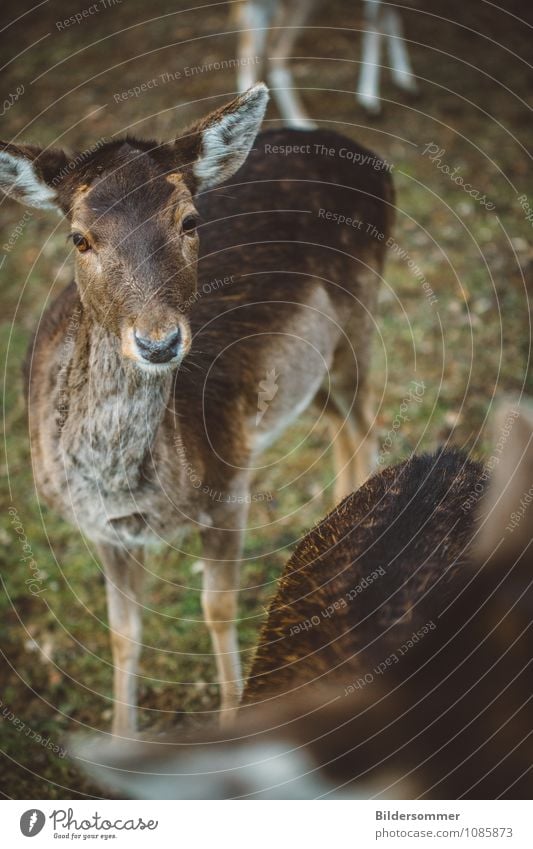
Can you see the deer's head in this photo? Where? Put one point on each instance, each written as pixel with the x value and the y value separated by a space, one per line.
pixel 130 205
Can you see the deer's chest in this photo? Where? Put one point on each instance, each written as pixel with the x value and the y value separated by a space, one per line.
pixel 112 473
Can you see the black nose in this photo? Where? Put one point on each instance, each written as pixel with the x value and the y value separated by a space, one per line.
pixel 159 350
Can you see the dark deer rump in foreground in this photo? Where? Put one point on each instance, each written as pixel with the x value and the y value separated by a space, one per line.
pixel 419 686
pixel 384 564
pixel 427 670
pixel 177 265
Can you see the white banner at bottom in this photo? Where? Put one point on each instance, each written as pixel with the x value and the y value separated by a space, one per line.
pixel 264 824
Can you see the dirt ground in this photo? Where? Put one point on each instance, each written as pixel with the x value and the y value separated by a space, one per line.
pixel 454 315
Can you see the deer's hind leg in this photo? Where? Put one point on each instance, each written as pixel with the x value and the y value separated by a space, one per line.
pixel 349 411
pixel 353 446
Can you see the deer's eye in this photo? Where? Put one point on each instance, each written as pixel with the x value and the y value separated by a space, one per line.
pixel 81 242
pixel 189 225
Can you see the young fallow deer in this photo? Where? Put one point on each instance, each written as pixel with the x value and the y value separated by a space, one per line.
pixel 128 445
pixel 269 32
pixel 396 658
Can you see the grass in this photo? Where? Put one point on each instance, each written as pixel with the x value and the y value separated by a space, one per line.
pixel 471 345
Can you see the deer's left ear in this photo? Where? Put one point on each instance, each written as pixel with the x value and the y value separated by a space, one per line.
pixel 217 145
pixel 32 175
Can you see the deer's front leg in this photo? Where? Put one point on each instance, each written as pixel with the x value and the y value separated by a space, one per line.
pixel 124 573
pixel 254 17
pixel 369 76
pixel 222 551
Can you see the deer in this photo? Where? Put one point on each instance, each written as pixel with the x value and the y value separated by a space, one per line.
pixel 268 33
pixel 395 661
pixel 143 376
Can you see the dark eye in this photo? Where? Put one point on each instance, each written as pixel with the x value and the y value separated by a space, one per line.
pixel 81 242
pixel 189 224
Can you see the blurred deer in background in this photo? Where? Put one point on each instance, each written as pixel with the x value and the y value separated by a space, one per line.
pixel 396 658
pixel 134 449
pixel 270 29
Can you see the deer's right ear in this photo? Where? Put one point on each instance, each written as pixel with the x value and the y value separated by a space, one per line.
pixel 32 175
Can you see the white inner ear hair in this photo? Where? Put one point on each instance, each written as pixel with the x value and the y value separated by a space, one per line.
pixel 226 143
pixel 19 179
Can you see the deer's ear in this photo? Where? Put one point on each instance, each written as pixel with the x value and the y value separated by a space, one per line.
pixel 507 508
pixel 32 175
pixel 218 144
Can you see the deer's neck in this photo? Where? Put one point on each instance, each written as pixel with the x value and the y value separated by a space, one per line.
pixel 114 409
